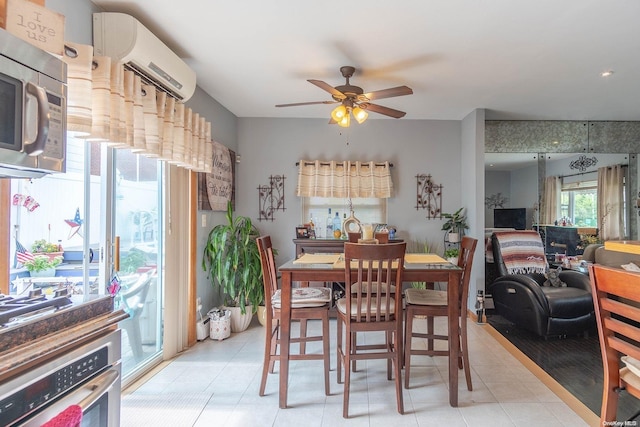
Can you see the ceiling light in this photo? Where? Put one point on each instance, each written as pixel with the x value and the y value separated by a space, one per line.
pixel 360 115
pixel 339 113
pixel 345 121
pixel 606 73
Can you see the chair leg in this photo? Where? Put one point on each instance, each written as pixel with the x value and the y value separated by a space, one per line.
pixel 303 334
pixel 390 343
pixel 408 335
pixel 430 332
pixel 326 352
pixel 397 362
pixel 347 376
pixel 275 336
pixel 267 354
pixel 465 352
pixel 354 344
pixel 339 350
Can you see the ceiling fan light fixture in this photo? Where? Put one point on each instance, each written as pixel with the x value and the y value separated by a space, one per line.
pixel 360 115
pixel 339 113
pixel 345 121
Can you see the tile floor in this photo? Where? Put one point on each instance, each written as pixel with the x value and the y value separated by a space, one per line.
pixel 216 383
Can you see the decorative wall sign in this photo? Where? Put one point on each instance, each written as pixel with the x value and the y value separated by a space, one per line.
pixel 495 201
pixel 271 198
pixel 583 162
pixel 429 196
pixel 215 189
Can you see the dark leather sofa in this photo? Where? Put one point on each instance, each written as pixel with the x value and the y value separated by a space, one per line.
pixel 543 310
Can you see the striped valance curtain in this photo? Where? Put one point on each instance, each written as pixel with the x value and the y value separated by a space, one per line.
pixel 344 179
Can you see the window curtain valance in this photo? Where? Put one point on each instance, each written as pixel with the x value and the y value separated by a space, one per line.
pixel 344 179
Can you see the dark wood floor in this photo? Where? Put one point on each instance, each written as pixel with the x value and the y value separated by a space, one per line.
pixel 575 362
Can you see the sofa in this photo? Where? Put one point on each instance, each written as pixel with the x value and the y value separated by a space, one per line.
pixel 544 310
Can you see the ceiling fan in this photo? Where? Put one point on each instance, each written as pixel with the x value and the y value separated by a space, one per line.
pixel 354 101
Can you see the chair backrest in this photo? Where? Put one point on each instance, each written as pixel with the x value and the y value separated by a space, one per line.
pixel 465 261
pixel 375 268
pixel 269 271
pixel 616 299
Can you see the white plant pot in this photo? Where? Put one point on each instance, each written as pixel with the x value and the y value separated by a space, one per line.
pixel 239 321
pixel 454 237
pixel 262 315
pixel 50 272
pixel 453 260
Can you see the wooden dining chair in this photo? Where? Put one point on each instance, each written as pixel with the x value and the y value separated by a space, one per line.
pixel 433 303
pixel 371 305
pixel 309 303
pixel 616 299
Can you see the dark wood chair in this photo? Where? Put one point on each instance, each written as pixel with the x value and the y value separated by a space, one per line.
pixel 310 303
pixel 432 303
pixel 616 297
pixel 372 272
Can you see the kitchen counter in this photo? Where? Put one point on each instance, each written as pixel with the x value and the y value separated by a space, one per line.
pixel 45 335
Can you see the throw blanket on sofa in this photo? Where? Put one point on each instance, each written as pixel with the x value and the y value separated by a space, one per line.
pixel 522 252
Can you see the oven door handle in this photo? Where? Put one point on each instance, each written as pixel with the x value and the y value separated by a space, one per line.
pixel 98 387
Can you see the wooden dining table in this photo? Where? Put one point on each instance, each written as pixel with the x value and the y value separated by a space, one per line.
pixel 427 268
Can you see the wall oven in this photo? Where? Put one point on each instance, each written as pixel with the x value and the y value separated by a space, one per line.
pixel 87 375
pixel 32 110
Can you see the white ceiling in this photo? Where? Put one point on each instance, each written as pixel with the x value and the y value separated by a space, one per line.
pixel 530 60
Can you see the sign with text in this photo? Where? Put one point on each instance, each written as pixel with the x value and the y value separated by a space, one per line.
pixel 219 185
pixel 38 25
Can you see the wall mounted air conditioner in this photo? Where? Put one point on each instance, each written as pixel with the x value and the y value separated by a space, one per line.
pixel 123 38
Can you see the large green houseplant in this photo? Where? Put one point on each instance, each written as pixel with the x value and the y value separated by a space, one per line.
pixel 232 261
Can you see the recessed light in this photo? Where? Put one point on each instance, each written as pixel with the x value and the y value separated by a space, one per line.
pixel 606 73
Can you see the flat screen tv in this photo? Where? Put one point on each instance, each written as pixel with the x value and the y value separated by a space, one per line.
pixel 510 218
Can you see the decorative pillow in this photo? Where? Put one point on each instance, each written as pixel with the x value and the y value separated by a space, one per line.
pixel 553 278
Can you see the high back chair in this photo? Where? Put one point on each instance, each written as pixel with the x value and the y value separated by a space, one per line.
pixel 432 303
pixel 372 273
pixel 306 304
pixel 616 297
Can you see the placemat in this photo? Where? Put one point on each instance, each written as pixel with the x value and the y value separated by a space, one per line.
pixel 317 259
pixel 424 259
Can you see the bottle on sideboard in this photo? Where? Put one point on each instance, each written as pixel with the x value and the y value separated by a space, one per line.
pixel 329 230
pixel 337 225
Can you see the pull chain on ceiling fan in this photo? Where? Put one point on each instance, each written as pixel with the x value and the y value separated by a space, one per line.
pixel 353 100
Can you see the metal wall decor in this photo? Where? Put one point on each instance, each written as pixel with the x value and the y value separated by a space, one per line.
pixel 495 201
pixel 583 162
pixel 429 196
pixel 271 198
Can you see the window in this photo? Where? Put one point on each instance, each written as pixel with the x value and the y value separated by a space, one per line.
pixel 579 203
pixel 367 210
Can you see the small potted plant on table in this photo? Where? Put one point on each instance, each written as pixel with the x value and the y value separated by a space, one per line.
pixel 455 225
pixel 42 265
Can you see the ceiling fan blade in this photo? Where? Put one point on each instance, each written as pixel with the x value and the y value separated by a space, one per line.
pixel 383 110
pixel 387 93
pixel 326 86
pixel 306 103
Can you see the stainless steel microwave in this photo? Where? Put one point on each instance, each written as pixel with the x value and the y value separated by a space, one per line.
pixel 33 110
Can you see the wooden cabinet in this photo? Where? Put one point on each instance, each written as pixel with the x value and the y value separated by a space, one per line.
pixel 324 246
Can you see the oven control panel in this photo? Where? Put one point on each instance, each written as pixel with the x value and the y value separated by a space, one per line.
pixel 47 388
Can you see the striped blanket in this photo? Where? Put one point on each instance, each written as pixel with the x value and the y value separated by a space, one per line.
pixel 522 252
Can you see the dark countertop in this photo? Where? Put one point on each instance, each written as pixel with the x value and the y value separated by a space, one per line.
pixel 47 334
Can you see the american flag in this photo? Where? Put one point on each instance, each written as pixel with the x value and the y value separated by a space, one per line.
pixel 22 254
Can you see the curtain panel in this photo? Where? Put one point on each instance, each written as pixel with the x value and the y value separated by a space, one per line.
pixel 550 211
pixel 611 202
pixel 344 179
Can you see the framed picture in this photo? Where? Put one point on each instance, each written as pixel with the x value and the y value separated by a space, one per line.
pixel 311 233
pixel 302 232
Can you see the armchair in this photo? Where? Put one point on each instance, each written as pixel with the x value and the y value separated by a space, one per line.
pixel 520 297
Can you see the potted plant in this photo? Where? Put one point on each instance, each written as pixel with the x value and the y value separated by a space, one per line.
pixel 48 249
pixel 232 262
pixel 456 224
pixel 42 265
pixel 451 255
